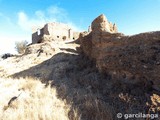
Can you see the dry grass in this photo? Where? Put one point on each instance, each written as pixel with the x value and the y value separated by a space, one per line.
pixel 35 101
pixel 78 92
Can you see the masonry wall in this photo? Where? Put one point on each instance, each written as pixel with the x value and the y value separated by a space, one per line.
pixel 58 31
pixel 130 60
pixel 37 36
pixel 53 31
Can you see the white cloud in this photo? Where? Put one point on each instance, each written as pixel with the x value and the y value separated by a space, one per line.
pixel 54 10
pixel 50 14
pixel 23 20
pixel 27 23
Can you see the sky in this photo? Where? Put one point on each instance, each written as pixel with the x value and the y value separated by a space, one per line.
pixel 17 17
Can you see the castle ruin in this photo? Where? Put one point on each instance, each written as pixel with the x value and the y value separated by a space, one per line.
pixel 53 31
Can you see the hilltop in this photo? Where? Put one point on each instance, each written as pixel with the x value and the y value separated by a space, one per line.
pixel 94 77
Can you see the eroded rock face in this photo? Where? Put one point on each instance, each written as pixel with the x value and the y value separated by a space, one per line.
pixel 130 59
pixel 86 42
pixel 101 29
pixel 39 49
pixel 101 24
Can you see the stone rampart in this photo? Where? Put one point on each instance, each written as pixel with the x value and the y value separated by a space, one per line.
pixel 131 59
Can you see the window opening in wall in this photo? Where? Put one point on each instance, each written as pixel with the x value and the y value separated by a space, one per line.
pixel 57 36
pixel 64 38
pixel 73 38
pixel 38 31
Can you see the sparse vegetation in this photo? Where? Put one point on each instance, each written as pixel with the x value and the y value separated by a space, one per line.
pixel 21 46
pixel 35 101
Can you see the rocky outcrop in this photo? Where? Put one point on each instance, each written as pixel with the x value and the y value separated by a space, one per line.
pixel 101 24
pixel 39 49
pixel 130 59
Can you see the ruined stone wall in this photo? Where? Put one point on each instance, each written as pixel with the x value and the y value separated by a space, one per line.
pixel 37 35
pixel 129 59
pixel 102 24
pixel 57 30
pixel 53 31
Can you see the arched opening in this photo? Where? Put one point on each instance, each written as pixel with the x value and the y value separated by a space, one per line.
pixel 57 36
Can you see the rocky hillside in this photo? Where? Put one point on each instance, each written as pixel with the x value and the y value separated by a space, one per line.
pixel 101 74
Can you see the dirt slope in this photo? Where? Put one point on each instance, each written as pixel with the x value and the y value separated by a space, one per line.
pixel 90 94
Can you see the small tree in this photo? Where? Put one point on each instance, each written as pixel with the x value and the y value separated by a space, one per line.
pixel 20 46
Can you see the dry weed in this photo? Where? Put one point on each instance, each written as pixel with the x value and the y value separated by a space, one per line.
pixel 31 101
